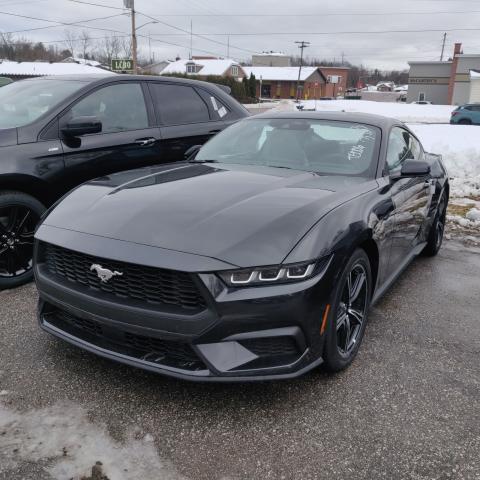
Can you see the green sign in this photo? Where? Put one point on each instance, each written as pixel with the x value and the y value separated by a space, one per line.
pixel 122 65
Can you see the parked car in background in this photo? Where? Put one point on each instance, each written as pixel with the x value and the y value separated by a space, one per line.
pixel 258 258
pixel 466 115
pixel 58 132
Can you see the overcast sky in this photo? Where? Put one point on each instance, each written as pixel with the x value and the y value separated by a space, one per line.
pixel 258 25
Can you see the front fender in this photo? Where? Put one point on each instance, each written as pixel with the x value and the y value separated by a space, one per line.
pixel 365 218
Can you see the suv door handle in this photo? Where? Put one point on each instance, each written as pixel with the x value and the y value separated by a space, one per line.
pixel 213 132
pixel 145 142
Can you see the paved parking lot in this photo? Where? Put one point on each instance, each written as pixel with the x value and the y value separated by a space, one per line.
pixel 408 408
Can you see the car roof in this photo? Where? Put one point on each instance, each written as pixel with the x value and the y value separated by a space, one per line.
pixel 366 118
pixel 108 77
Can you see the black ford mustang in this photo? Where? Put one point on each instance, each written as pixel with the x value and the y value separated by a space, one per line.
pixel 257 258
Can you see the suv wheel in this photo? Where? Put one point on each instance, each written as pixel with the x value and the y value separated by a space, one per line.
pixel 464 121
pixel 19 215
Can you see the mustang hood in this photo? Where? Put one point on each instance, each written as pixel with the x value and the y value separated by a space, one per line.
pixel 245 216
pixel 8 137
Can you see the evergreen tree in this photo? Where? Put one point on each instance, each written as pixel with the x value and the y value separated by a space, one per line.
pixel 252 86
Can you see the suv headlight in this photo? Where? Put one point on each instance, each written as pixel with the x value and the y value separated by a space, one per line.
pixel 249 277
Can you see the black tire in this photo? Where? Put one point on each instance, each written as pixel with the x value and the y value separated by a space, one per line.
pixel 435 236
pixel 335 357
pixel 464 121
pixel 19 215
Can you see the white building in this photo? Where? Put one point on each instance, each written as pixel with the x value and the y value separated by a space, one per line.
pixel 204 66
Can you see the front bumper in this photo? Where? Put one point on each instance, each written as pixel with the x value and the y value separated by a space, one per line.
pixel 242 334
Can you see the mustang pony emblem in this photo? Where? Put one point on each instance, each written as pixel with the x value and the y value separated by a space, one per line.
pixel 104 274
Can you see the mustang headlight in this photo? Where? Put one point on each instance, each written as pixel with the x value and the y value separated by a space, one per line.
pixel 249 277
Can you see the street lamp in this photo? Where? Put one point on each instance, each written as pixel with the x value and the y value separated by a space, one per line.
pixel 134 39
pixel 148 23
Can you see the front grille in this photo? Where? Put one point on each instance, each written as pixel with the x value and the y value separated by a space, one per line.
pixel 155 286
pixel 271 346
pixel 154 350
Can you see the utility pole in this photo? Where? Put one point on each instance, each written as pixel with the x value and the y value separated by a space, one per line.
pixel 228 46
pixel 343 58
pixel 131 5
pixel 301 45
pixel 150 47
pixel 191 38
pixel 443 46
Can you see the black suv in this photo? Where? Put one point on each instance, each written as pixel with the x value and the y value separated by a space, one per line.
pixel 57 132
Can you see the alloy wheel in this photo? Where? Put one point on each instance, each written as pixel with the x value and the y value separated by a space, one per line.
pixel 440 227
pixel 352 309
pixel 17 226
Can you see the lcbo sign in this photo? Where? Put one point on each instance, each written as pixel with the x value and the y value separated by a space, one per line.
pixel 122 65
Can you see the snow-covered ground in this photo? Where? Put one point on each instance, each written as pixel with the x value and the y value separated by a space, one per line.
pixel 405 112
pixel 65 436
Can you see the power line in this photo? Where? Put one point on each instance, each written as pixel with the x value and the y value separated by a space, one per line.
pixel 57 23
pixel 96 4
pixel 202 36
pixel 353 32
pixel 289 15
pixel 170 26
pixel 81 25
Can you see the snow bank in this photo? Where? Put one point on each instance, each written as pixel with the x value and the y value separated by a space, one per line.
pixel 64 435
pixel 460 147
pixel 402 111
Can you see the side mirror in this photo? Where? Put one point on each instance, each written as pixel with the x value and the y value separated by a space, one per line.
pixel 79 126
pixel 413 168
pixel 191 152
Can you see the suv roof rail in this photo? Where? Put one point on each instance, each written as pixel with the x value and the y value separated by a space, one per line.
pixel 225 88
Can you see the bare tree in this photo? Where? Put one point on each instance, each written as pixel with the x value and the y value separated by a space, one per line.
pixel 108 49
pixel 126 47
pixel 71 40
pixel 7 46
pixel 85 41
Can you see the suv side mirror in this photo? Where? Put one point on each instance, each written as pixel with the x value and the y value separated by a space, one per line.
pixel 191 152
pixel 79 126
pixel 413 168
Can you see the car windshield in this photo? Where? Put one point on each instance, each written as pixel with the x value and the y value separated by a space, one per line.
pixel 23 102
pixel 321 146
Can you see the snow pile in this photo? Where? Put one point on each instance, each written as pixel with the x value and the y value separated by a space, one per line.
pixel 473 215
pixel 459 146
pixel 410 113
pixel 64 440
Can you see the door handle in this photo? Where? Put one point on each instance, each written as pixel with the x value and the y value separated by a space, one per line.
pixel 145 142
pixel 214 132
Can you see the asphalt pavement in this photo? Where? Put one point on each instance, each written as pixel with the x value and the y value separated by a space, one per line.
pixel 408 408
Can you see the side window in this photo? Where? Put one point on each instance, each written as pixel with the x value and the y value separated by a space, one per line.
pixel 179 104
pixel 119 107
pixel 399 149
pixel 415 148
pixel 220 109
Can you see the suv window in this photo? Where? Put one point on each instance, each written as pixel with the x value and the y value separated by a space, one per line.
pixel 119 107
pixel 401 146
pixel 179 104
